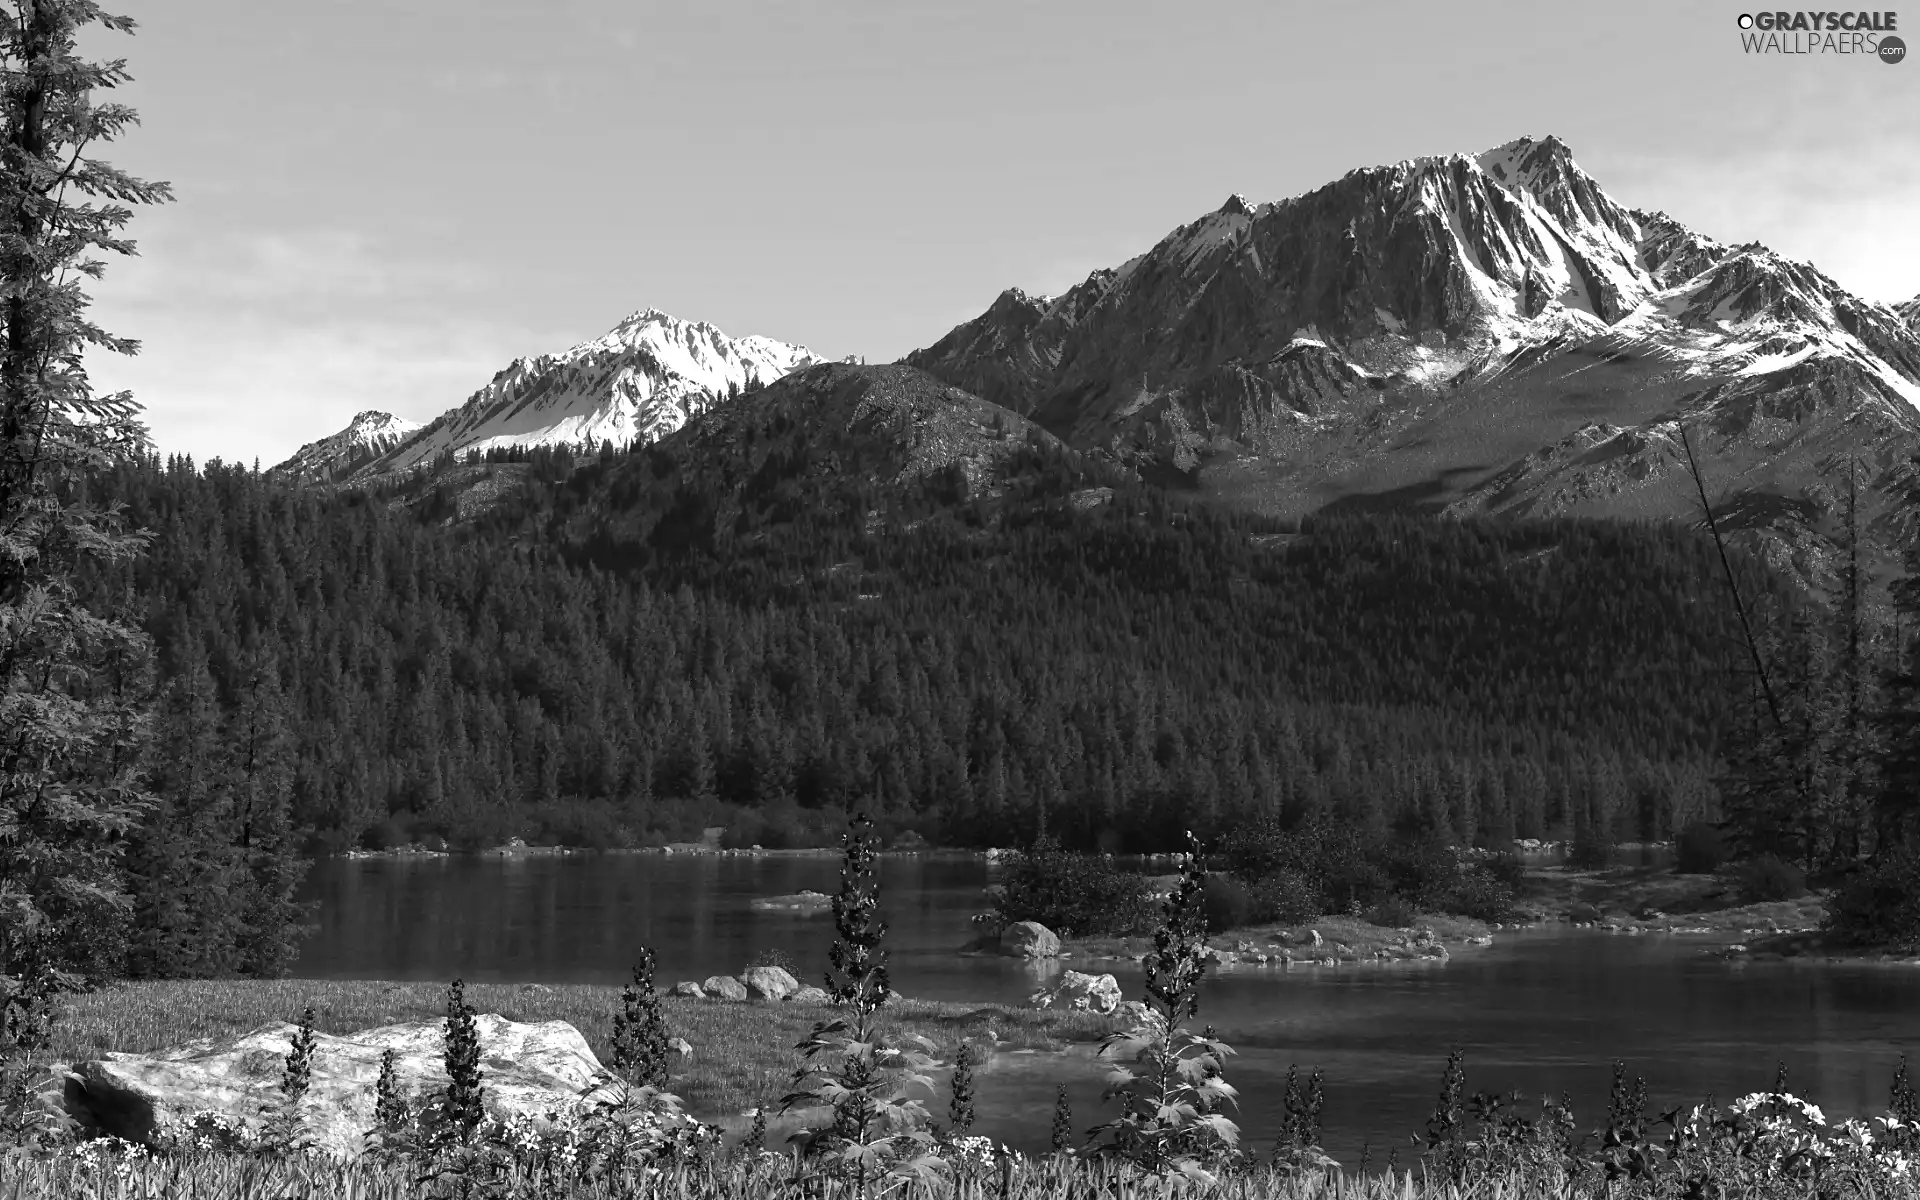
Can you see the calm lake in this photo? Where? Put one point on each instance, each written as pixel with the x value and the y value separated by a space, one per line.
pixel 1539 1011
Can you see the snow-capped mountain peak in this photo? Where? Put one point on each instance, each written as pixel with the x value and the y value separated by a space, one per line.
pixel 637 382
pixel 369 435
pixel 1909 311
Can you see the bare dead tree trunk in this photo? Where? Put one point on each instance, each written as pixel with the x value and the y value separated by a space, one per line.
pixel 1733 586
pixel 1855 701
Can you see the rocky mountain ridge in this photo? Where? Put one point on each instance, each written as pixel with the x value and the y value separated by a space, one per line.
pixel 1484 333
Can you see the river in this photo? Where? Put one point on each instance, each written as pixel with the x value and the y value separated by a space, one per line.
pixel 1540 1010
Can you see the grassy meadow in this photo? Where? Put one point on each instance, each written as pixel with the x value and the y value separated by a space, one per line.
pixel 743 1054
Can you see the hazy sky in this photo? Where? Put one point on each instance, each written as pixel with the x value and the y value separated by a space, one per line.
pixel 382 202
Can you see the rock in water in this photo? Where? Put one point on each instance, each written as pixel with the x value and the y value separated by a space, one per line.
pixel 804 902
pixel 1139 1016
pixel 724 987
pixel 1029 939
pixel 1079 992
pixel 769 983
pixel 525 1068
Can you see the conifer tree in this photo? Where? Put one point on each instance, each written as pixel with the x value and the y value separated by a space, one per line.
pixel 263 834
pixel 72 680
pixel 185 876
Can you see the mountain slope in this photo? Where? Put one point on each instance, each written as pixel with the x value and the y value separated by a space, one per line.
pixel 1909 311
pixel 1457 333
pixel 642 379
pixel 834 445
pixel 367 437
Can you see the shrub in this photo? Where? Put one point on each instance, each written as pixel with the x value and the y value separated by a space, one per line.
pixel 1592 849
pixel 1768 878
pixel 1700 849
pixel 1391 912
pixel 1424 871
pixel 1480 894
pixel 1287 897
pixel 389 834
pixel 1507 867
pixel 1354 884
pixel 1083 894
pixel 1227 902
pixel 1258 849
pixel 1880 904
pixel 774 956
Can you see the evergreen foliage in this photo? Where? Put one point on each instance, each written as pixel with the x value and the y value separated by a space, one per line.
pixel 1118 674
pixel 71 673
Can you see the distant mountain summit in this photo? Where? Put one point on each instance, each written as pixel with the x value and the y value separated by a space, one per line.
pixel 641 380
pixel 370 435
pixel 1484 332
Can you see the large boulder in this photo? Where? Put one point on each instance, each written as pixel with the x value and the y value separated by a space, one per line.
pixel 769 983
pixel 1079 992
pixel 813 997
pixel 525 1068
pixel 689 990
pixel 724 987
pixel 1029 939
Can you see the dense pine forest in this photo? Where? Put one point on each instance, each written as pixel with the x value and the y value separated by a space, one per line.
pixel 626 648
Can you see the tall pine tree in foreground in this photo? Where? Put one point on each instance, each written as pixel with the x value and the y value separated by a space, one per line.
pixel 72 680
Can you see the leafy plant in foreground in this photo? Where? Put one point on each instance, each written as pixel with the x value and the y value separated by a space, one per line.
pixel 960 1106
pixel 849 1064
pixel 285 1127
pixel 463 1106
pixel 1062 1122
pixel 1298 1145
pixel 1168 1078
pixel 639 1031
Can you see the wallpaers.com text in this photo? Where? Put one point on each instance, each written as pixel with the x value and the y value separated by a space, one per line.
pixel 1865 33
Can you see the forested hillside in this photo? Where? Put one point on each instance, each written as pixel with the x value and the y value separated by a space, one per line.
pixel 631 647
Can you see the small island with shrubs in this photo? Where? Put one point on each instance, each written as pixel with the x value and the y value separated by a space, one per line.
pixel 1323 892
